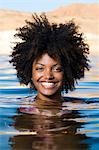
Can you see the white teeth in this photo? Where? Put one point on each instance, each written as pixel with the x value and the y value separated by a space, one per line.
pixel 48 84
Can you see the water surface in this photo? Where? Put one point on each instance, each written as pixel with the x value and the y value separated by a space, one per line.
pixel 76 129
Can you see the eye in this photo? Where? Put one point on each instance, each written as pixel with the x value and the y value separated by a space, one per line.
pixel 57 69
pixel 39 68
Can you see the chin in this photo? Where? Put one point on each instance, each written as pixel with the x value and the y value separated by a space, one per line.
pixel 50 94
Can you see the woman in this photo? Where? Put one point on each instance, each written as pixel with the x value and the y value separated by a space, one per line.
pixel 50 58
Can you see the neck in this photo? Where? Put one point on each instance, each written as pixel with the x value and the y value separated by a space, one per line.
pixel 55 97
pixel 55 100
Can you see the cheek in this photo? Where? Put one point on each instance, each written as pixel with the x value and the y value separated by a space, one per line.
pixel 35 76
pixel 62 80
pixel 34 80
pixel 60 77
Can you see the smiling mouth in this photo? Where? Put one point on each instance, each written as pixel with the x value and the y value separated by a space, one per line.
pixel 48 84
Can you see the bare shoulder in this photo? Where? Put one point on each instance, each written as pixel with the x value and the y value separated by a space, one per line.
pixel 74 100
pixel 72 103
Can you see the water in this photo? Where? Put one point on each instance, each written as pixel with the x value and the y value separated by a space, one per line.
pixel 76 129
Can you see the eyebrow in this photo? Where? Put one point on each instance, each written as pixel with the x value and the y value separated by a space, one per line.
pixel 44 65
pixel 39 64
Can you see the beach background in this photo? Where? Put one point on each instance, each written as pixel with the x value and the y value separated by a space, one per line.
pixel 85 16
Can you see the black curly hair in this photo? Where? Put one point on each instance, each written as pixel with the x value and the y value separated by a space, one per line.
pixel 61 41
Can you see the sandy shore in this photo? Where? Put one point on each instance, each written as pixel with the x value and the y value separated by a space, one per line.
pixel 85 16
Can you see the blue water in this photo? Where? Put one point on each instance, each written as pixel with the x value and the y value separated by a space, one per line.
pixel 77 130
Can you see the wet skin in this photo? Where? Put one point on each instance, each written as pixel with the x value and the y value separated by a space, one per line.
pixel 47 76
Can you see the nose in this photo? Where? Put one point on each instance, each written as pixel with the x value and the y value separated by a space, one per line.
pixel 49 74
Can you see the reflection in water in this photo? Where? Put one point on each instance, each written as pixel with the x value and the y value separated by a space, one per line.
pixel 53 132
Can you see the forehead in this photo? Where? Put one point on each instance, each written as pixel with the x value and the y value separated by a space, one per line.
pixel 46 59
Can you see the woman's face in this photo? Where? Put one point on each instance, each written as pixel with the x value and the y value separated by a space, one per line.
pixel 47 76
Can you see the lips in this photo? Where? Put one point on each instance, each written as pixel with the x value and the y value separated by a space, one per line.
pixel 48 85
